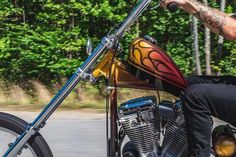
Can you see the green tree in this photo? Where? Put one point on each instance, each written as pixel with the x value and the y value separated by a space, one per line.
pixel 45 39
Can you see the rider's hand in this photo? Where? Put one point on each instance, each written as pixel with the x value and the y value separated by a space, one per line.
pixel 180 3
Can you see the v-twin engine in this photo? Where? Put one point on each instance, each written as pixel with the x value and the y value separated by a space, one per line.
pixel 156 130
pixel 140 121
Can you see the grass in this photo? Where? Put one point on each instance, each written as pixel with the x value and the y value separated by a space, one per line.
pixel 83 96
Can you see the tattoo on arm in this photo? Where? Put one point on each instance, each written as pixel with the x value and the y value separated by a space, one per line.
pixel 211 17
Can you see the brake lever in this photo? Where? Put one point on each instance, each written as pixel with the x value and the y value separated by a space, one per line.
pixel 158 5
pixel 154 7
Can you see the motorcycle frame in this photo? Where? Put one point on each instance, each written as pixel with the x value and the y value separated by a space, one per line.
pixel 118 77
pixel 107 43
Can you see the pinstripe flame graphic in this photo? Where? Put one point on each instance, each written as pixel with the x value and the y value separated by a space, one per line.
pixel 154 61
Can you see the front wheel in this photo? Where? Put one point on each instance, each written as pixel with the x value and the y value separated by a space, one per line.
pixel 11 127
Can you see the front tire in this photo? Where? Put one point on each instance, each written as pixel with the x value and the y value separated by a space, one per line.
pixel 11 127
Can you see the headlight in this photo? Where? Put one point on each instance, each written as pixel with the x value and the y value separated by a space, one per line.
pixel 225 146
pixel 223 141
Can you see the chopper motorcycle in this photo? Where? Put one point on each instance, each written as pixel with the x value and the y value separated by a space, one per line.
pixel 154 128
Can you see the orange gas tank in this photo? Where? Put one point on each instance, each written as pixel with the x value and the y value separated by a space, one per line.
pixel 151 64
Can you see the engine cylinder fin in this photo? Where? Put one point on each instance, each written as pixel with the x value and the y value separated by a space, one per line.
pixel 175 141
pixel 141 123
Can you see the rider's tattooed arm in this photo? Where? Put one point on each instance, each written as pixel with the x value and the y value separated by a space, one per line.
pixel 211 17
pixel 214 19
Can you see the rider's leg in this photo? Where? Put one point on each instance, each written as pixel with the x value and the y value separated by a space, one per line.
pixel 211 79
pixel 201 101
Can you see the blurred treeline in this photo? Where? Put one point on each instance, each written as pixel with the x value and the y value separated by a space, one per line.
pixel 45 39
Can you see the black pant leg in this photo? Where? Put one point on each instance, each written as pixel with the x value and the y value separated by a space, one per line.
pixel 211 80
pixel 201 101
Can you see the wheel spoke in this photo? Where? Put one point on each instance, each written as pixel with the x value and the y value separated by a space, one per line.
pixel 7 137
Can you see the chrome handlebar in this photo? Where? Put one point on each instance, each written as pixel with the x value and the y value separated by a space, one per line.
pixel 138 10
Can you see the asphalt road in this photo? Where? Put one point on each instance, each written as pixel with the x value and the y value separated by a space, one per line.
pixel 74 133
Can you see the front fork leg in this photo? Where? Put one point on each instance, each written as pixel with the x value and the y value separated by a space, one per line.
pixel 39 122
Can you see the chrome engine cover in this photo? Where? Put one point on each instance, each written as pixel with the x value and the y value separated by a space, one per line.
pixel 173 125
pixel 175 138
pixel 140 120
pixel 155 130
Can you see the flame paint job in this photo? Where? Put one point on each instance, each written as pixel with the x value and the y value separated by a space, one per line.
pixel 151 59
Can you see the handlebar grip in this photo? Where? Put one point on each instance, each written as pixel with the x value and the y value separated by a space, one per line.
pixel 172 7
